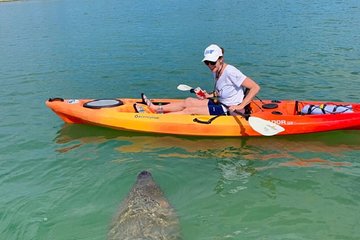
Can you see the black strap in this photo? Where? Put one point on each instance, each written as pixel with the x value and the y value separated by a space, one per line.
pixel 336 106
pixel 310 109
pixel 296 107
pixel 322 108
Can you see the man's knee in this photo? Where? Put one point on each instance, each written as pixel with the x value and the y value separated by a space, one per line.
pixel 190 102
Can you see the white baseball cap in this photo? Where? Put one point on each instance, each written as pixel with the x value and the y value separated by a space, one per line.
pixel 212 53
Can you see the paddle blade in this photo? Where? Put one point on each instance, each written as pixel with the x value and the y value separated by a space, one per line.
pixel 265 127
pixel 183 87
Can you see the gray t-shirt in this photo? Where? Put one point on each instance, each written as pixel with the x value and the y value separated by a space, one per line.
pixel 228 86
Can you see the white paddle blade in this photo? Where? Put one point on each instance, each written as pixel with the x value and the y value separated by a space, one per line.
pixel 265 127
pixel 183 87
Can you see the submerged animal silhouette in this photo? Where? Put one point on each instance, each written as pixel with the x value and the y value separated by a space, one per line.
pixel 145 213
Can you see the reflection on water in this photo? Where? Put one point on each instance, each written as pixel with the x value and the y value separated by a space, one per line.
pixel 71 137
pixel 312 162
pixel 236 158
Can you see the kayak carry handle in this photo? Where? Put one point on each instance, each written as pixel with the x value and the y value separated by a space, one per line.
pixel 209 121
pixel 56 99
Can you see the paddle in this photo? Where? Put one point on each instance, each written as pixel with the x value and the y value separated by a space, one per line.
pixel 262 126
pixel 183 87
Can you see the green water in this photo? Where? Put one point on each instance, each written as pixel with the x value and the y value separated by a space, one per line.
pixel 61 181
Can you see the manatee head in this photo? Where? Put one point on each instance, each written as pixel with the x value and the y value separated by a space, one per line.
pixel 145 179
pixel 146 186
pixel 143 175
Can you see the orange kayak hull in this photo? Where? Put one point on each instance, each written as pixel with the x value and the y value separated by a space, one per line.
pixel 285 113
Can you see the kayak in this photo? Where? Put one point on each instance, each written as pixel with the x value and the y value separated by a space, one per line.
pixel 266 118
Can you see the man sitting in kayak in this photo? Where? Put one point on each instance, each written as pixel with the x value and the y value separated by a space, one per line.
pixel 230 85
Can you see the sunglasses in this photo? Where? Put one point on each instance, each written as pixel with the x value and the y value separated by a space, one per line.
pixel 210 63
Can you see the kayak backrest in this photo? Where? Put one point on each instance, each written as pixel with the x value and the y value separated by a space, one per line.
pixel 247 108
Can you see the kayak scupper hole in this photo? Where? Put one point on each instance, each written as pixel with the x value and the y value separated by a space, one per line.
pixel 277 113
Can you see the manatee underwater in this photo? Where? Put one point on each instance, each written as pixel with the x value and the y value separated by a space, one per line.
pixel 145 213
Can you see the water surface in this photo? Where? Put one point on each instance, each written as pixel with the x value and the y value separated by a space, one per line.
pixel 59 181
